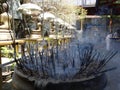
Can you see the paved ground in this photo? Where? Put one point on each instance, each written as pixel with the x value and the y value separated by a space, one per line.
pixel 7 85
pixel 114 76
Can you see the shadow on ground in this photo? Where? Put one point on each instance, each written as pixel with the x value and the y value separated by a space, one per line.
pixel 7 85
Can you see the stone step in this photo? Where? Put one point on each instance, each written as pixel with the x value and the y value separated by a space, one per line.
pixel 7 70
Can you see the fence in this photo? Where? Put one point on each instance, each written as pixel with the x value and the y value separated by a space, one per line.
pixel 4 43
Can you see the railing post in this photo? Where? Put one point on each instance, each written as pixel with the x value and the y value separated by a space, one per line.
pixel 0 71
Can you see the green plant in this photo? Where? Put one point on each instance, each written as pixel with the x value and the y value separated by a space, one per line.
pixel 7 52
pixel 81 12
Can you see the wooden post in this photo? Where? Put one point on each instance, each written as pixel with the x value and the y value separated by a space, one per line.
pixel 0 71
pixel 81 24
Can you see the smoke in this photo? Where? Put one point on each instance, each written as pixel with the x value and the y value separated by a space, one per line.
pixel 94 31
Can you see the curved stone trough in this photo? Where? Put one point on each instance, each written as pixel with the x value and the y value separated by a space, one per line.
pixel 24 82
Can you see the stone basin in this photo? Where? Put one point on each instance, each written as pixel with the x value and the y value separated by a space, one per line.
pixel 25 82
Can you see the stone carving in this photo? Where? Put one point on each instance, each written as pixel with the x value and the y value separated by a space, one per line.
pixel 5 20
